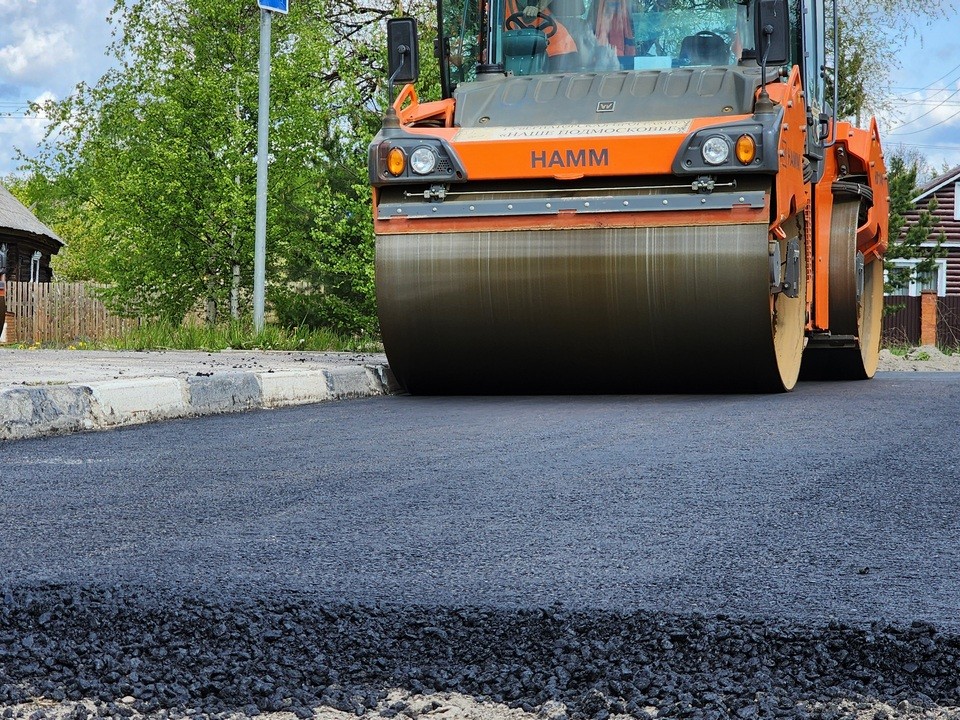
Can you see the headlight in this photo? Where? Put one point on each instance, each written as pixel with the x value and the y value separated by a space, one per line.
pixel 423 161
pixel 715 150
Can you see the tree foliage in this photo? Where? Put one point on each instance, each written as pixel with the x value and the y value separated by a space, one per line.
pixel 903 171
pixel 150 174
pixel 870 36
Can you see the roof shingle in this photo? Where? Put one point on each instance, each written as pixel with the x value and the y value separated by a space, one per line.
pixel 15 216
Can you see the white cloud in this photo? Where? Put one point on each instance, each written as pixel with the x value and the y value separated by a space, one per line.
pixel 8 6
pixel 46 48
pixel 35 54
pixel 55 43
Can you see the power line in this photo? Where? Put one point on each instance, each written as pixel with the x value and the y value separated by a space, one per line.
pixel 911 90
pixel 944 103
pixel 929 147
pixel 929 127
pixel 923 115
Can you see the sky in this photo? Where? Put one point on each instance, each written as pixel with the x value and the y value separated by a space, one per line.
pixel 48 46
pixel 925 112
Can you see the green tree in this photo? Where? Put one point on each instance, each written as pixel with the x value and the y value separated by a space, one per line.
pixel 154 166
pixel 870 36
pixel 330 266
pixel 157 154
pixel 903 171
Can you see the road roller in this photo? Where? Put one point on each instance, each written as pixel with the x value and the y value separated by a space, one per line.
pixel 625 196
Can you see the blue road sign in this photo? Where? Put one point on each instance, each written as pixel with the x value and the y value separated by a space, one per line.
pixel 279 6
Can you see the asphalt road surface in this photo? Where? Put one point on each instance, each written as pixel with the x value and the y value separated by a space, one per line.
pixel 832 501
pixel 831 511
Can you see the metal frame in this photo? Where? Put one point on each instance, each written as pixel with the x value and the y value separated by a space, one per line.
pixel 581 205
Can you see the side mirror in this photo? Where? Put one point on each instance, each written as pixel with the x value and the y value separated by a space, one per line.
pixel 403 51
pixel 773 32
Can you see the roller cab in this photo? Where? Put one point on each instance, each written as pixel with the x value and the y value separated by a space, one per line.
pixel 638 213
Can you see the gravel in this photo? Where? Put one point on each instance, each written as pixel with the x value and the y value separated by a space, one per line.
pixel 920 359
pixel 78 652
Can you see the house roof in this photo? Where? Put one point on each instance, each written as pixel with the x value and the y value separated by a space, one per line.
pixel 952 175
pixel 15 216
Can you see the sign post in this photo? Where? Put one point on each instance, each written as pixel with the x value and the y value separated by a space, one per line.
pixel 267 8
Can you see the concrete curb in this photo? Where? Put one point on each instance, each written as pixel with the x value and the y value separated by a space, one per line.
pixel 57 409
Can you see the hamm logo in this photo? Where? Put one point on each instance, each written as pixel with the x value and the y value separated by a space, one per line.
pixel 569 159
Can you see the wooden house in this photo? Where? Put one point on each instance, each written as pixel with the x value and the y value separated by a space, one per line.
pixel 26 244
pixel 945 188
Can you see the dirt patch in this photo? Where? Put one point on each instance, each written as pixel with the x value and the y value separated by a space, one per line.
pixel 921 359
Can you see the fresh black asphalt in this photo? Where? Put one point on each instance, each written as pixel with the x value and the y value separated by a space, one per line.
pixel 706 555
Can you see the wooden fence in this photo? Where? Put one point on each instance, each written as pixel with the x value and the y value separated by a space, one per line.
pixel 59 312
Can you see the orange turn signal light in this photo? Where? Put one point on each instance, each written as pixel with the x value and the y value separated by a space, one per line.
pixel 746 149
pixel 396 161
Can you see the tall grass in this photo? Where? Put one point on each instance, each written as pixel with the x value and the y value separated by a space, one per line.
pixel 236 336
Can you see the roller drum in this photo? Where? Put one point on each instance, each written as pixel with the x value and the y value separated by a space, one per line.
pixel 609 310
pixel 856 307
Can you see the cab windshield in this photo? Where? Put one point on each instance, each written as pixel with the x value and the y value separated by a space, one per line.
pixel 550 36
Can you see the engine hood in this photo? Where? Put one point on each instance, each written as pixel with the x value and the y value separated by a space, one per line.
pixel 585 98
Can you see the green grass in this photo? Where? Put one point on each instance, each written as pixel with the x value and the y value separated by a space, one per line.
pixel 899 350
pixel 236 336
pixel 902 350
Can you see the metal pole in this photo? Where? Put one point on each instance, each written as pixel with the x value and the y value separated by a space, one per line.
pixel 263 150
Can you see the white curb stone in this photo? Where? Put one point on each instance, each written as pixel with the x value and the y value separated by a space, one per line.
pixel 223 392
pixel 48 409
pixel 124 402
pixel 293 387
pixel 30 411
pixel 352 382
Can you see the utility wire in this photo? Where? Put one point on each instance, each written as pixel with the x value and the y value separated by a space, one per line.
pixel 923 115
pixel 946 103
pixel 911 90
pixel 929 127
pixel 930 147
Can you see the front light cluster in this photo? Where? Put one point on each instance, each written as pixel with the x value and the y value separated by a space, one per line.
pixel 425 160
pixel 716 149
pixel 422 161
pixel 735 148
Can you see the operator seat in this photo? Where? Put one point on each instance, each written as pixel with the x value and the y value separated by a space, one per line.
pixel 704 48
pixel 524 51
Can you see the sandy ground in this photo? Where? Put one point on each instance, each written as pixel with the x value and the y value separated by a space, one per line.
pixel 52 367
pixel 453 706
pixel 921 359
